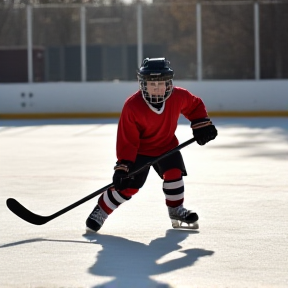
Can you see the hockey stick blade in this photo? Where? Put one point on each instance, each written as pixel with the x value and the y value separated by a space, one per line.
pixel 28 216
pixel 25 214
pixel 22 212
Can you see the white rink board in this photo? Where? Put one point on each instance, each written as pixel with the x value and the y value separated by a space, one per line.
pixel 108 97
pixel 237 184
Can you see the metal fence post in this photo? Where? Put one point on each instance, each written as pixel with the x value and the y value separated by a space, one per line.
pixel 83 42
pixel 29 43
pixel 139 34
pixel 256 41
pixel 199 41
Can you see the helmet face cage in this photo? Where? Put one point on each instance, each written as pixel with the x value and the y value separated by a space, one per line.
pixel 153 98
pixel 155 69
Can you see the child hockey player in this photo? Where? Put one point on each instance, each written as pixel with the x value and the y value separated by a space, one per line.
pixel 146 129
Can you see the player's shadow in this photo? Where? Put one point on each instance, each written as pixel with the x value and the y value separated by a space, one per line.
pixel 132 263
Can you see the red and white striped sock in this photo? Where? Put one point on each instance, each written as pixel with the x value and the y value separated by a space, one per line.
pixel 112 199
pixel 173 187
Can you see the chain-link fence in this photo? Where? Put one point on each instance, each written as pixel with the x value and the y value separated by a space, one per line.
pixel 203 40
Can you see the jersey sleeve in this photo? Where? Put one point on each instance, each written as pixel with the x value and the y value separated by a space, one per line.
pixel 192 106
pixel 128 139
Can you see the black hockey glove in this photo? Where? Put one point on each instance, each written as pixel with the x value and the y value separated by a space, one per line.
pixel 203 131
pixel 120 177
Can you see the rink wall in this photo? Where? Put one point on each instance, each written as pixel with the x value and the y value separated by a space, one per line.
pixel 105 99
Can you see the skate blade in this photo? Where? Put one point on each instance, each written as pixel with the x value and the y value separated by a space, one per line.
pixel 90 231
pixel 182 225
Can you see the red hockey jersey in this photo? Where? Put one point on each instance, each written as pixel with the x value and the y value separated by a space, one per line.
pixel 143 131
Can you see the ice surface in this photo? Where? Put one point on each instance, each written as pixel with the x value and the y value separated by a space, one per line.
pixel 237 184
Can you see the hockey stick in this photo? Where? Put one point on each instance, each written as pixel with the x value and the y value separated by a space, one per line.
pixel 36 219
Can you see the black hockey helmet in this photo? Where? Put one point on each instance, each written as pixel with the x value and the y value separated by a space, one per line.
pixel 155 69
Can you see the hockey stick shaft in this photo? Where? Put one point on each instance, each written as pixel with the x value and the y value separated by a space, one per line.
pixel 179 147
pixel 36 219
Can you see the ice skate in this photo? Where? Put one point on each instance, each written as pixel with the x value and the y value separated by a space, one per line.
pixel 96 219
pixel 180 215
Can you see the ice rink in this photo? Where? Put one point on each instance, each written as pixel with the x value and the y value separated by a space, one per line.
pixel 237 184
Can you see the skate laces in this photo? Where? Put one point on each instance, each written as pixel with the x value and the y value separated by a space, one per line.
pixel 98 215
